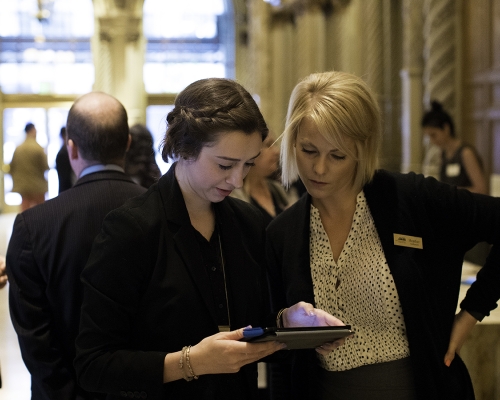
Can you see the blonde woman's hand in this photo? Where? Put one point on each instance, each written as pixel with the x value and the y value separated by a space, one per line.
pixel 462 326
pixel 304 314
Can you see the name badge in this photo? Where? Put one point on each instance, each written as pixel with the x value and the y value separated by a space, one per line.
pixel 408 241
pixel 452 170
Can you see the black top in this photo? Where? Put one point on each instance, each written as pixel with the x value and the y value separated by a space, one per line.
pixel 211 253
pixel 453 170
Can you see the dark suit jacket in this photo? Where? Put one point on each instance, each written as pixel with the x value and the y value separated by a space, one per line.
pixel 450 222
pixel 48 249
pixel 147 294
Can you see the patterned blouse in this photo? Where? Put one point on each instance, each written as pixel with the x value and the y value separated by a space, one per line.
pixel 360 291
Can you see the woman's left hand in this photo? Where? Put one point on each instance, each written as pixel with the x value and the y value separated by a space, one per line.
pixel 304 314
pixel 463 324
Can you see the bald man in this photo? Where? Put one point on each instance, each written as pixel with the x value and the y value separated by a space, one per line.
pixel 51 242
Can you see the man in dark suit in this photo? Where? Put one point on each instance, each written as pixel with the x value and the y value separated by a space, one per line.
pixel 51 242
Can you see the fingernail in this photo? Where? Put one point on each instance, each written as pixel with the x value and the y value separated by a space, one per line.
pixel 447 363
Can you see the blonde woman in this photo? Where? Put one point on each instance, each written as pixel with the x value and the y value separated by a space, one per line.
pixel 380 251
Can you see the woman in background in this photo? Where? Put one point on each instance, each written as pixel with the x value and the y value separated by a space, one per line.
pixel 140 163
pixel 460 163
pixel 381 251
pixel 260 187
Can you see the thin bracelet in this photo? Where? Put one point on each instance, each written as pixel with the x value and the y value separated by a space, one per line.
pixel 279 318
pixel 181 365
pixel 188 363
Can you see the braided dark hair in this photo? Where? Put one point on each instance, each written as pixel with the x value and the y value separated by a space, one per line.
pixel 437 117
pixel 204 110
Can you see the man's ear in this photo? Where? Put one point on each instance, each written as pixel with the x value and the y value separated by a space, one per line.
pixel 129 142
pixel 72 149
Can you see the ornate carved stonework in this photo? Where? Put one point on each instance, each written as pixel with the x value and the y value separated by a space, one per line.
pixel 439 52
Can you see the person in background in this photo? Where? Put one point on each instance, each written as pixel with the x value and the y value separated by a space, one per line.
pixel 177 273
pixel 27 168
pixel 65 173
pixel 3 282
pixel 140 163
pixel 460 163
pixel 381 251
pixel 51 243
pixel 261 189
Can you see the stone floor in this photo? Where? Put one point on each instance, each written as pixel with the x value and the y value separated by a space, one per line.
pixel 15 376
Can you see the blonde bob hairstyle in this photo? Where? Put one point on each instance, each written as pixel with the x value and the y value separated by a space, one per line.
pixel 342 107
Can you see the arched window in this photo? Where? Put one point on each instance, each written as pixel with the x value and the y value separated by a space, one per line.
pixel 186 41
pixel 46 49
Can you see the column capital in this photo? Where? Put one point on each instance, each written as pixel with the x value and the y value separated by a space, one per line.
pixel 293 8
pixel 121 26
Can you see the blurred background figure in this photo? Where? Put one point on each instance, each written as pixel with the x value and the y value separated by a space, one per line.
pixel 3 282
pixel 140 162
pixel 460 163
pixel 64 171
pixel 261 188
pixel 27 168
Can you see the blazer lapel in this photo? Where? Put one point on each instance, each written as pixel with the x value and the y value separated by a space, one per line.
pixel 296 263
pixel 179 224
pixel 389 218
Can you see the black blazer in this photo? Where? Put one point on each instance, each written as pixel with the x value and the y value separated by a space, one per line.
pixel 147 294
pixel 450 222
pixel 48 249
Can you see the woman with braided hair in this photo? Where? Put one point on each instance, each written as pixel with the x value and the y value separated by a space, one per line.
pixel 177 273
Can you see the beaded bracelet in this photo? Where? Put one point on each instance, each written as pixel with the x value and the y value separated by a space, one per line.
pixel 193 376
pixel 279 318
pixel 181 364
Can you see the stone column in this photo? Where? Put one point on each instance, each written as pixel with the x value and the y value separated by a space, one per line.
pixel 440 78
pixel 259 78
pixel 118 49
pixel 439 53
pixel 411 80
pixel 283 76
pixel 310 37
pixel 373 35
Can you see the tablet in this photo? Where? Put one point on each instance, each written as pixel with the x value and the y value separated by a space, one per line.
pixel 298 338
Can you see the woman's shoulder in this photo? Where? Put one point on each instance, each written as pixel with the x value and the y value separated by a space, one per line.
pixel 285 197
pixel 288 220
pixel 242 208
pixel 143 210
